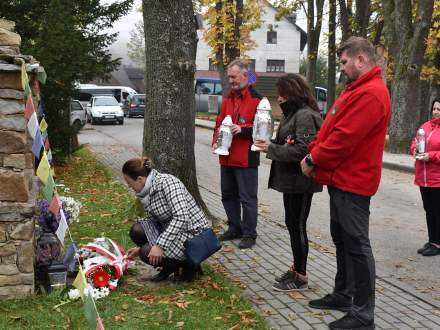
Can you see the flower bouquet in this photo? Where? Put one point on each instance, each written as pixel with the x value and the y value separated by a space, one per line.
pixel 103 261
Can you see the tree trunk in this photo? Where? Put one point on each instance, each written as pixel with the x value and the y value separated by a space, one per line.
pixel 313 33
pixel 362 17
pixel 170 48
pixel 344 18
pixel 219 54
pixel 331 73
pixel 405 39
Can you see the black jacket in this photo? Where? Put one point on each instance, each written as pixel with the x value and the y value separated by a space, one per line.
pixel 301 125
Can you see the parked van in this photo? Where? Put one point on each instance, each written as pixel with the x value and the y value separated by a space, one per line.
pixel 208 94
pixel 77 115
pixel 84 92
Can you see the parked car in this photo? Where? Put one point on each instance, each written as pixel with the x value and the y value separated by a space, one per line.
pixel 321 99
pixel 208 90
pixel 104 109
pixel 134 105
pixel 77 115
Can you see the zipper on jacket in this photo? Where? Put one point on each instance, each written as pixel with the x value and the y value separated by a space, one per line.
pixel 424 163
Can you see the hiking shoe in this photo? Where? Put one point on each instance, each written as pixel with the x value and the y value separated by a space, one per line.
pixel 296 282
pixel 350 322
pixel 285 275
pixel 229 235
pixel 432 250
pixel 246 243
pixel 427 245
pixel 331 301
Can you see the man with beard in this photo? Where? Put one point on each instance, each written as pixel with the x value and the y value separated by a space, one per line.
pixel 347 157
pixel 239 170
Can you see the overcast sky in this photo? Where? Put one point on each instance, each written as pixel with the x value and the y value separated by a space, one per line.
pixel 126 24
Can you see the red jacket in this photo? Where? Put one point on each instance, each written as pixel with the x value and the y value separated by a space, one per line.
pixel 428 173
pixel 241 106
pixel 348 149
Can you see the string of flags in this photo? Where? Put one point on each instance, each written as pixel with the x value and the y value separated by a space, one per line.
pixel 41 149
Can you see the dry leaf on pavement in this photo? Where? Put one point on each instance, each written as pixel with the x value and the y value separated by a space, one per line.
pixel 296 295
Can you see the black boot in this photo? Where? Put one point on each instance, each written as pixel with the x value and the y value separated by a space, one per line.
pixel 189 272
pixel 169 266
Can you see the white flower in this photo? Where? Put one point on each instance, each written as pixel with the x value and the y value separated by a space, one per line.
pixel 73 294
pixel 72 207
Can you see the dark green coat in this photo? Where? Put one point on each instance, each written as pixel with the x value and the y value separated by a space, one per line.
pixel 301 125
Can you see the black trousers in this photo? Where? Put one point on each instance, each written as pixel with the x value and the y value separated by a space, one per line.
pixel 297 209
pixel 431 204
pixel 356 272
pixel 239 187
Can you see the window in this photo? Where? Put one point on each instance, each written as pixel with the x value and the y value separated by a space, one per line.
pixel 204 87
pixel 271 37
pixel 218 88
pixel 76 106
pixel 275 66
pixel 212 66
pixel 251 65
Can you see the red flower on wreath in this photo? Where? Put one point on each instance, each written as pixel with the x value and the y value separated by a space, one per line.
pixel 100 278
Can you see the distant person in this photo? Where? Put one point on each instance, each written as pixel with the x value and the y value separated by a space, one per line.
pixel 347 157
pixel 428 179
pixel 239 170
pixel 173 218
pixel 298 127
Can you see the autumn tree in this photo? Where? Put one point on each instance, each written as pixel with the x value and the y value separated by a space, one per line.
pixel 331 56
pixel 229 25
pixel 407 26
pixel 136 45
pixel 170 49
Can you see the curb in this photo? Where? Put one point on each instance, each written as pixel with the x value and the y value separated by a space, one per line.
pixel 385 164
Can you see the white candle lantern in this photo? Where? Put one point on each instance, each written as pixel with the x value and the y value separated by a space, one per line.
pixel 263 123
pixel 224 137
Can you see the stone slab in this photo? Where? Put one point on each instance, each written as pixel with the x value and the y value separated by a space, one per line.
pixel 12 142
pixel 8 38
pixel 23 231
pixel 10 269
pixel 13 122
pixel 15 161
pixel 10 80
pixel 6 280
pixel 17 291
pixel 11 93
pixel 8 107
pixel 7 249
pixel 26 257
pixel 14 186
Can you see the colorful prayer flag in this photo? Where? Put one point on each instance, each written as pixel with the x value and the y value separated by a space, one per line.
pixel 80 282
pixel 90 309
pixel 25 81
pixel 62 227
pixel 42 76
pixel 48 189
pixel 32 125
pixel 43 125
pixel 55 204
pixel 49 156
pixel 43 170
pixel 37 145
pixel 29 108
pixel 99 324
pixel 69 258
pixel 47 145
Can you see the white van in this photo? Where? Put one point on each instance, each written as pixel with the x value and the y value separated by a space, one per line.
pixel 321 99
pixel 84 92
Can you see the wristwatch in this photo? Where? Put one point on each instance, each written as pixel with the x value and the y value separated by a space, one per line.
pixel 309 160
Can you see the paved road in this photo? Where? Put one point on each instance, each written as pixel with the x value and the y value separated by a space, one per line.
pixel 397 218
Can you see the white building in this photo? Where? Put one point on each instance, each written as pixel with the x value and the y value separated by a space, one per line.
pixel 278 46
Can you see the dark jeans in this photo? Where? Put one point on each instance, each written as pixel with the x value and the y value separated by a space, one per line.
pixel 356 272
pixel 297 208
pixel 431 204
pixel 239 191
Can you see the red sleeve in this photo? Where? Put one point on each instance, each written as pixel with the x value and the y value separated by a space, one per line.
pixel 434 156
pixel 363 112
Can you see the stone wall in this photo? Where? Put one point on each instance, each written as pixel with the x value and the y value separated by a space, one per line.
pixel 18 186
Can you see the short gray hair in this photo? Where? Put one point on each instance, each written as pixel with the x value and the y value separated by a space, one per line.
pixel 241 63
pixel 358 45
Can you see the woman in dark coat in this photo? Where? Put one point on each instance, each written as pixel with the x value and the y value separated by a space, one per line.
pixel 298 127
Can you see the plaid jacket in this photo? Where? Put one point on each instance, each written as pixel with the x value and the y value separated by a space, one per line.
pixel 170 204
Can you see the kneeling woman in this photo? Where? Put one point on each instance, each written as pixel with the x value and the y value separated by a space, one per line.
pixel 173 217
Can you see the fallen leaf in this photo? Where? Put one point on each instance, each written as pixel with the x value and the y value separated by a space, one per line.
pixel 120 317
pixel 180 324
pixel 227 249
pixel 170 314
pixel 149 298
pixel 182 304
pixel 124 307
pixel 235 326
pixel 296 295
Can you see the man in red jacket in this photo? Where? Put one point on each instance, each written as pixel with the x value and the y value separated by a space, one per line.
pixel 239 170
pixel 347 157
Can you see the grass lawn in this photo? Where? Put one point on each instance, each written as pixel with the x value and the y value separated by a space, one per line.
pixel 108 210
